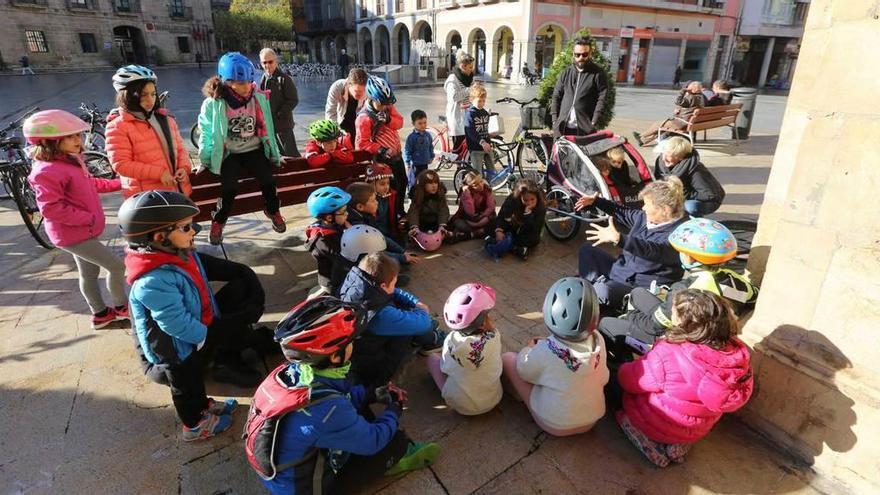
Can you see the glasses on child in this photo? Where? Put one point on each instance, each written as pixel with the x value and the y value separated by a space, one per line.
pixel 184 228
pixel 343 214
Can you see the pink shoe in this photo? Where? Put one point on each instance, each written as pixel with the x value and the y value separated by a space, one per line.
pixel 216 235
pixel 121 312
pixel 103 318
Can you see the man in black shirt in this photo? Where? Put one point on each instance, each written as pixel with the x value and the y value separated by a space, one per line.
pixel 579 96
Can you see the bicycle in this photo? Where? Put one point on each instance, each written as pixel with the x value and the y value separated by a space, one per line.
pixel 93 139
pixel 526 153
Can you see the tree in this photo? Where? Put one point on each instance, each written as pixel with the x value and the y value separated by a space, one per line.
pixel 249 21
pixel 563 61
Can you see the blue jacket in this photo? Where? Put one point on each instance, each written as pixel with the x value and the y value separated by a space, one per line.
pixel 476 127
pixel 334 426
pixel 647 254
pixel 419 148
pixel 388 315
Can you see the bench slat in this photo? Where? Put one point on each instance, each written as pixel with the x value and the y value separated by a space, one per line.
pixel 288 165
pixel 711 125
pixel 311 176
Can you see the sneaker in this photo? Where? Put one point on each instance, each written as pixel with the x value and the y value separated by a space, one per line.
pixel 418 455
pixel 278 223
pixel 522 252
pixel 216 235
pixel 210 425
pixel 638 138
pixel 121 312
pixel 224 408
pixel 237 374
pixel 102 319
pixel 432 343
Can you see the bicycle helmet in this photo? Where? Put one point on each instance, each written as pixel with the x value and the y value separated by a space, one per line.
pixel 359 240
pixel 150 211
pixel 131 73
pixel 571 309
pixel 466 308
pixel 52 125
pixel 380 90
pixel 429 241
pixel 378 171
pixel 324 130
pixel 234 66
pixel 706 241
pixel 326 200
pixel 316 329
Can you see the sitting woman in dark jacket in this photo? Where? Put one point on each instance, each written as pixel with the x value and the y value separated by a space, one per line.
pixel 703 193
pixel 647 255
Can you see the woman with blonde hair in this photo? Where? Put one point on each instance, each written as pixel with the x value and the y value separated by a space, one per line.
pixel 703 193
pixel 647 255
pixel 457 87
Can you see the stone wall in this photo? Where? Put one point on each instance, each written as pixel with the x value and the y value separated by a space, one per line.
pixel 817 252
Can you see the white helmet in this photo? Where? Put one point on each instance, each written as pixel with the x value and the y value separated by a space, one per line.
pixel 359 240
pixel 131 73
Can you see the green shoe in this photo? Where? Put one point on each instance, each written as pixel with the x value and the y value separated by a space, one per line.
pixel 418 455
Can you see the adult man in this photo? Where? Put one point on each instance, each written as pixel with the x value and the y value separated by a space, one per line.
pixel 579 96
pixel 688 99
pixel 25 65
pixel 345 99
pixel 282 99
pixel 342 62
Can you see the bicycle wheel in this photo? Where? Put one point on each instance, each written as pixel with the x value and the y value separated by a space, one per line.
pixel 560 226
pixel 458 178
pixel 194 133
pixel 502 154
pixel 26 200
pixel 531 161
pixel 744 232
pixel 438 139
pixel 94 141
pixel 98 165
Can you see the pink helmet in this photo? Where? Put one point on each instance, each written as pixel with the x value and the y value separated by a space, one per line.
pixel 429 241
pixel 466 307
pixel 52 124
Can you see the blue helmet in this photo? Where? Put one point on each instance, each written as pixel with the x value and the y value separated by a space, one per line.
pixel 380 90
pixel 234 66
pixel 326 200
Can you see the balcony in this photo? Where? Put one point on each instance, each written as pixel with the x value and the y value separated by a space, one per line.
pixel 82 5
pixel 399 6
pixel 421 4
pixel 127 7
pixel 467 3
pixel 715 7
pixel 180 13
pixel 489 1
pixel 39 4
pixel 327 26
pixel 447 4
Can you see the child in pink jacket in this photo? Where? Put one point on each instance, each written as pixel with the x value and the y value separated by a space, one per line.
pixel 675 394
pixel 72 213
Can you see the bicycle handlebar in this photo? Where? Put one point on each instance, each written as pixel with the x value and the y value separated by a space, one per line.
pixel 514 100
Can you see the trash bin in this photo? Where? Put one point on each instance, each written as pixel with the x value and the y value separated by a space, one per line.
pixel 743 124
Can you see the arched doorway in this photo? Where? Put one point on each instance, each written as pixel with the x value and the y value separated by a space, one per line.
pixel 423 32
pixel 477 48
pixel 503 60
pixel 549 42
pixel 382 46
pixel 453 43
pixel 130 43
pixel 403 45
pixel 365 46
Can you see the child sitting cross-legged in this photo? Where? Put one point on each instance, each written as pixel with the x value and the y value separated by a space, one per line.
pixel 476 209
pixel 520 221
pixel 428 214
pixel 328 146
pixel 468 372
pixel 329 206
pixel 363 209
pixel 388 218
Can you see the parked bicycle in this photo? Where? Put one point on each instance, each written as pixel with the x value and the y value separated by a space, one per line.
pixel 93 139
pixel 525 155
pixel 311 70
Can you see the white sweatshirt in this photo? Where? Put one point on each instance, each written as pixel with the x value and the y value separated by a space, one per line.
pixel 472 364
pixel 569 378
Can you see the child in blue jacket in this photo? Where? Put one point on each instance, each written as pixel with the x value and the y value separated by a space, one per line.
pixel 418 152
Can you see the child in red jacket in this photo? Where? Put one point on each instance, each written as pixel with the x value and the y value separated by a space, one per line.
pixel 329 145
pixel 377 125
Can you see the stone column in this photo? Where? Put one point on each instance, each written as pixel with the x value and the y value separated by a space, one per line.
pixel 765 65
pixel 814 330
pixel 491 71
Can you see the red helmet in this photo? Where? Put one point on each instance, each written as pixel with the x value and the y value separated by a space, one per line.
pixel 318 328
pixel 378 171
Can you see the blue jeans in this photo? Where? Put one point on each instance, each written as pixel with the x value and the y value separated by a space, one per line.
pixel 594 265
pixel 696 208
pixel 497 249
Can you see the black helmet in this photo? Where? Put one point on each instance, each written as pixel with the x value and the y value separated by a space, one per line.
pixel 571 309
pixel 149 211
pixel 317 328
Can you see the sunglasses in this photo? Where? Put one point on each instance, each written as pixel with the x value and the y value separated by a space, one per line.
pixel 187 228
pixel 581 54
pixel 268 62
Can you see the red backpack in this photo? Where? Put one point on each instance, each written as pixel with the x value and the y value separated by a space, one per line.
pixel 273 401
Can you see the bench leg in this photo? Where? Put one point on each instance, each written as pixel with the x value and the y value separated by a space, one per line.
pixel 736 134
pixel 705 134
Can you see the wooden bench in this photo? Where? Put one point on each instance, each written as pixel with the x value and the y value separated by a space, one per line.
pixel 705 118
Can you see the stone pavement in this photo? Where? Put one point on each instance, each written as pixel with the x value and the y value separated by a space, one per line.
pixel 79 417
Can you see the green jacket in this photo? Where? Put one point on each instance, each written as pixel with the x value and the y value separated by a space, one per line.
pixel 215 127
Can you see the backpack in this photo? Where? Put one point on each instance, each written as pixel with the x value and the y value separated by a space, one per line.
pixel 273 401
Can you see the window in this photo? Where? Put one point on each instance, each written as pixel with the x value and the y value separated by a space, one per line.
pixel 79 4
pixel 183 44
pixel 123 5
pixel 380 7
pixel 177 8
pixel 398 6
pixel 422 4
pixel 363 8
pixel 88 43
pixel 36 41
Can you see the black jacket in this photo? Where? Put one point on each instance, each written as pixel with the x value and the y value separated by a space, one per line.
pixel 283 98
pixel 589 102
pixel 699 183
pixel 526 232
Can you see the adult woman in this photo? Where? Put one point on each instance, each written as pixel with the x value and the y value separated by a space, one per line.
pixel 345 99
pixel 647 255
pixel 143 142
pixel 688 99
pixel 703 193
pixel 457 87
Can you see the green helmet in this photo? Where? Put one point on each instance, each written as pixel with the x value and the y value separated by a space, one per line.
pixel 324 130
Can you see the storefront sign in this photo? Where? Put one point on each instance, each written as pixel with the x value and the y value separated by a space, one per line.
pixel 627 32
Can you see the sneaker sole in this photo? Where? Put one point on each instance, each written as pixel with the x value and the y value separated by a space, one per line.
pixel 98 326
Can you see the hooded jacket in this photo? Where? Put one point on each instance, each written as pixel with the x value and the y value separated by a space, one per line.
pixel 677 392
pixel 215 129
pixel 375 136
pixel 138 156
pixel 472 365
pixel 431 214
pixel 526 232
pixel 584 91
pixel 569 379
pixel 699 183
pixel 322 241
pixel 467 207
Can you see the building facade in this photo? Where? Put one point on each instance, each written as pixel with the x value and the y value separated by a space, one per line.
pixel 329 28
pixel 768 42
pixel 84 33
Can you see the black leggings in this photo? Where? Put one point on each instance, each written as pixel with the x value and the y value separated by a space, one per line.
pixel 638 324
pixel 260 168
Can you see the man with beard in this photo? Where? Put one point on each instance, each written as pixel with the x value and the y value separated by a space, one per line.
pixel 579 96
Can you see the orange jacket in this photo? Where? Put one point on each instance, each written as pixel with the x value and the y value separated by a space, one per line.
pixel 137 156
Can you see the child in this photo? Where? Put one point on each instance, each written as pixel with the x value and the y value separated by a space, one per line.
pixel 357 242
pixel 377 125
pixel 388 219
pixel 619 172
pixel 476 128
pixel 329 206
pixel 418 152
pixel 68 200
pixel 519 223
pixel 179 323
pixel 328 146
pixel 704 247
pixel 675 394
pixel 143 141
pixel 470 367
pixel 330 427
pixel 362 210
pixel 428 212
pixel 238 133
pixel 476 209
pixel 396 320
pixel 603 165
pixel 561 378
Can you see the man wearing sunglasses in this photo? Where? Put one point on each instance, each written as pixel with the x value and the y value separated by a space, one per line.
pixel 282 99
pixel 579 96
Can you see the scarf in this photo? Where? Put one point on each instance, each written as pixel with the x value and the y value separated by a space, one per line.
pixel 139 262
pixel 462 78
pixel 235 101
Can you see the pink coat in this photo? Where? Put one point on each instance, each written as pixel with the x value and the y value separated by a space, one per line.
pixel 467 210
pixel 677 392
pixel 68 200
pixel 137 155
